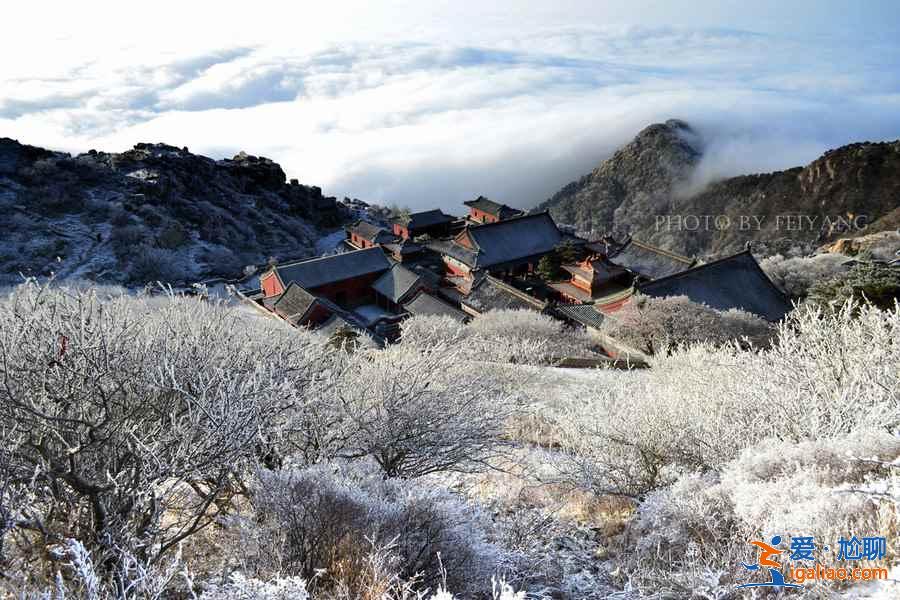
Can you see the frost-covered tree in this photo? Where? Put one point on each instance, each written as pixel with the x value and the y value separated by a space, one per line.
pixel 503 336
pixel 797 274
pixel 654 325
pixel 130 421
pixel 419 412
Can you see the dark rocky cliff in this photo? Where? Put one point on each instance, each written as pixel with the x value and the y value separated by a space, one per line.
pixel 154 212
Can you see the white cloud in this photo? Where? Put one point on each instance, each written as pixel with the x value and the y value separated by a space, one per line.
pixel 420 107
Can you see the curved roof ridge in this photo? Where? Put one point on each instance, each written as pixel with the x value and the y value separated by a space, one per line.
pixel 652 248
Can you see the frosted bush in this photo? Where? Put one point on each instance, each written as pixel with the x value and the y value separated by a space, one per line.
pixel 818 474
pixel 693 511
pixel 294 588
pixel 523 328
pixel 796 275
pixel 841 459
pixel 76 577
pixel 827 374
pixel 655 325
pixel 508 336
pixel 416 412
pixel 242 588
pixel 428 331
pixel 326 520
pixel 134 419
pixel 814 488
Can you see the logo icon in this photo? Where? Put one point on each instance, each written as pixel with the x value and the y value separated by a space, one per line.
pixel 766 554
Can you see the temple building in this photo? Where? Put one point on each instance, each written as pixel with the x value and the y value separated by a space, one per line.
pixel 733 282
pixel 482 210
pixel 512 246
pixel 430 222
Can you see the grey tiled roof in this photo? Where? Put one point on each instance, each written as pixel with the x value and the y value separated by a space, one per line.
pixel 336 323
pixel 651 262
pixel 317 272
pixel 585 314
pixel 424 304
pixel 428 218
pixel 733 282
pixel 492 294
pixel 373 233
pixel 454 250
pixel 512 240
pixel 397 283
pixel 501 211
pixel 294 303
pixel 404 248
pixel 600 270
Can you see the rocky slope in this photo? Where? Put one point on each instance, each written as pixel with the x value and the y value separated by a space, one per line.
pixel 646 189
pixel 155 212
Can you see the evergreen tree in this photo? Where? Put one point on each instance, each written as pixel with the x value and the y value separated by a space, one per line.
pixel 871 283
pixel 548 267
pixel 567 253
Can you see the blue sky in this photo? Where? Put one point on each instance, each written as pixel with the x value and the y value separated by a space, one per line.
pixel 432 103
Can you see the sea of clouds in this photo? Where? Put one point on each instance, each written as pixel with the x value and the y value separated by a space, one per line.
pixel 513 108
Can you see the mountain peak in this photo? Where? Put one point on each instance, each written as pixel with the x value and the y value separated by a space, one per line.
pixel 674 136
pixel 646 178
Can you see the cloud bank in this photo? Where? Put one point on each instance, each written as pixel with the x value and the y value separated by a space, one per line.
pixel 436 119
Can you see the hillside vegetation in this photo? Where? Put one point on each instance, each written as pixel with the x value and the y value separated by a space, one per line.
pixel 167 447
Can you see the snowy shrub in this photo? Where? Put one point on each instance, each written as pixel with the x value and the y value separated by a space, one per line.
pixel 693 512
pixel 134 419
pixel 796 275
pixel 826 374
pixel 76 577
pixel 294 588
pixel 327 520
pixel 151 264
pixel 415 412
pixel 525 328
pixel 845 458
pixel 653 325
pixel 242 588
pixel 819 475
pixel 428 331
pixel 506 336
pixel 695 529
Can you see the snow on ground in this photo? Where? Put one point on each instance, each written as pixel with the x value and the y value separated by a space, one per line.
pixel 564 383
pixel 330 243
pixel 371 313
pixel 888 589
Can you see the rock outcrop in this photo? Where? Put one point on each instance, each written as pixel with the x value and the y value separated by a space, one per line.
pixel 155 212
